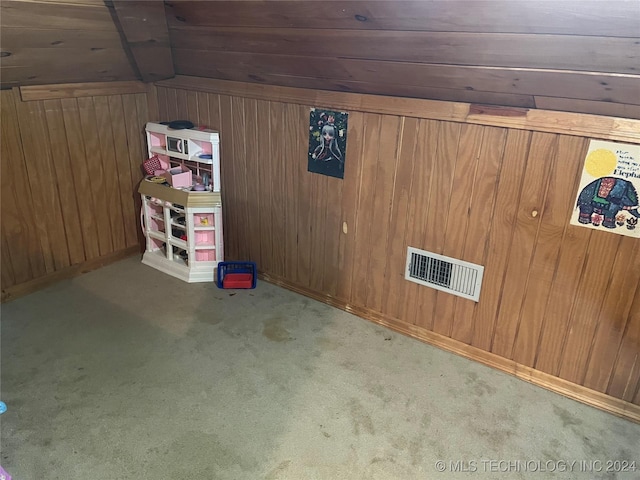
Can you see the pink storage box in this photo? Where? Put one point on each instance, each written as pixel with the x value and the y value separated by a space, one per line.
pixel 179 176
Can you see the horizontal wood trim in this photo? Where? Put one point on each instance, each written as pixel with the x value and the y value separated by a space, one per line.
pixel 620 88
pixel 566 17
pixel 571 390
pixel 75 90
pixel 560 52
pixel 64 72
pixel 588 106
pixel 594 126
pixel 22 289
pixel 399 90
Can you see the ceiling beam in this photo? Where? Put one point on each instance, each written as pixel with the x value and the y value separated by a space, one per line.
pixel 143 27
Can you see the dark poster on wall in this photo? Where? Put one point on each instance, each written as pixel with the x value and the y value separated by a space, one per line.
pixel 327 142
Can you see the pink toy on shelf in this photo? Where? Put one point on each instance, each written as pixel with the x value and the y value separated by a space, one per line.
pixel 179 176
pixel 154 164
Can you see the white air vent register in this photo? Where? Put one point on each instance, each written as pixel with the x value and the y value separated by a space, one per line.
pixel 444 273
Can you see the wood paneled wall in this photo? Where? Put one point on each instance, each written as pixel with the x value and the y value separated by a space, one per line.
pixel 70 168
pixel 560 304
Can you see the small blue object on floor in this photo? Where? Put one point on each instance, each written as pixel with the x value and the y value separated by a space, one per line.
pixel 3 408
pixel 237 275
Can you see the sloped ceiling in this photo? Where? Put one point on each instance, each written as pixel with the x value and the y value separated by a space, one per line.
pixel 581 56
pixel 46 42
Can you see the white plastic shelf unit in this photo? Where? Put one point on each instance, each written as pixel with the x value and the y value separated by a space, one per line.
pixel 183 231
pixel 197 149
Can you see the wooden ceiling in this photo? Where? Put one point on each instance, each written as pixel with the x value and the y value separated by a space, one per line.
pixel 571 55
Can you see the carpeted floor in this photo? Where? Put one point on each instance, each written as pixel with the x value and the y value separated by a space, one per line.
pixel 127 373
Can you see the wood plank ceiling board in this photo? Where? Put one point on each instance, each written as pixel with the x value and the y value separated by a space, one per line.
pixel 90 15
pixel 619 88
pixel 586 54
pixel 46 42
pixel 144 29
pixel 565 52
pixel 567 17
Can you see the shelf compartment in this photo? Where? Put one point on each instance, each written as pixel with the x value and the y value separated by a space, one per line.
pixel 203 220
pixel 157 235
pixel 205 255
pixel 155 244
pixel 178 242
pixel 204 238
pixel 179 255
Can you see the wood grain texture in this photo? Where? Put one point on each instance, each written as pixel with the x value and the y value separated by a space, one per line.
pixel 239 156
pixel 252 192
pixel 64 179
pixel 481 211
pixel 56 39
pixel 610 128
pixel 111 181
pixel 559 303
pixel 567 17
pixel 230 198
pixel 458 219
pixel 609 109
pixel 527 222
pixel 386 145
pixel 501 233
pixel 595 86
pixel 74 90
pixel 365 227
pixel 431 188
pixel 69 200
pixel 393 286
pixel 264 186
pixel 291 158
pixel 351 189
pixel 144 29
pixel 625 379
pixel 556 213
pixel 21 245
pixel 279 141
pixel 589 300
pixel 559 52
pixel 81 177
pixel 565 55
pixel 122 171
pixel 47 214
pixel 304 210
pixel 37 66
pixel 614 315
pixel 93 16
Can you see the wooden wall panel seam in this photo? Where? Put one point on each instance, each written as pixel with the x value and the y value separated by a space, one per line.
pixel 60 141
pixel 543 200
pixel 619 352
pixel 508 253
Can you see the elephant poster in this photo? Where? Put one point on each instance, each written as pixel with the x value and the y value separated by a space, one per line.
pixel 607 197
pixel 327 142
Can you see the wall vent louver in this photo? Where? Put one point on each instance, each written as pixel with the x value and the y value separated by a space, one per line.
pixel 444 273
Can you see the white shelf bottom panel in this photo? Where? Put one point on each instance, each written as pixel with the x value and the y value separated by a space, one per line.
pixel 199 272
